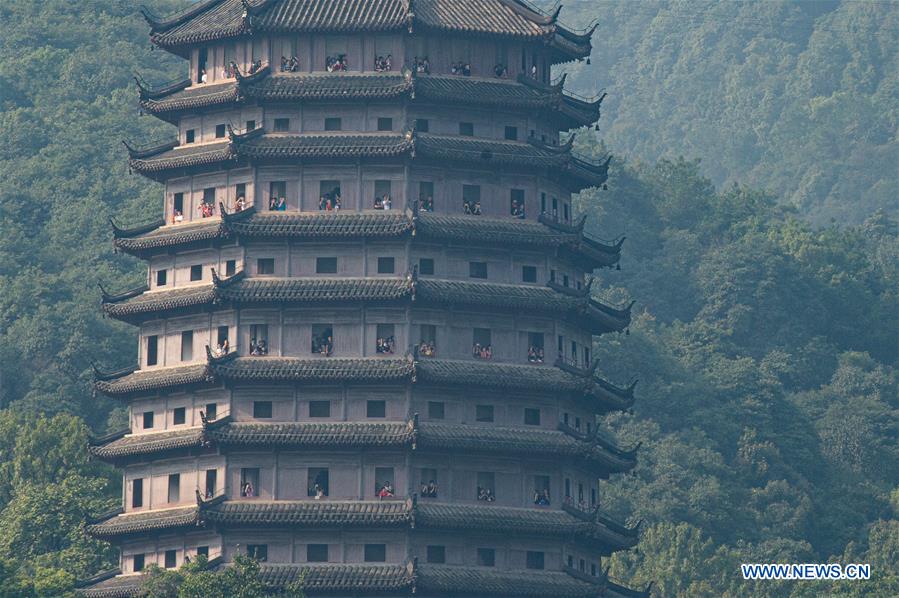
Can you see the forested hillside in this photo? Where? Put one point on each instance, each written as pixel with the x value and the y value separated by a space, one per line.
pixel 766 346
pixel 797 98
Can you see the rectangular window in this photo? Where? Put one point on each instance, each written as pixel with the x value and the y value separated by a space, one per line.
pixel 593 497
pixel 383 195
pixel 219 131
pixel 329 195
pixel 203 551
pixel 385 339
pixel 532 417
pixel 426 266
pixel 174 494
pixel 230 267
pixel 265 266
pixel 385 124
pixel 221 335
pixel 137 562
pixel 565 280
pixel 187 345
pixel 483 413
pixel 384 482
pixel 466 129
pixel 541 490
pixel 426 196
pixel 477 269
pixel 512 133
pixel 535 347
pixel 211 482
pixel 543 203
pixel 375 553
pixel 534 559
pixel 322 339
pixel 211 411
pixel 196 272
pixel 171 559
pixel 202 58
pixel 471 199
pixel 529 274
pixel 318 482
pixel 258 552
pixel 436 410
pixel 386 265
pixel 436 554
pixel 319 408
pixel 282 125
pixel 179 416
pixel 178 206
pixel 148 420
pixel 422 125
pixel 240 194
pixel 259 339
pixel 316 553
pixel 262 409
pixel 486 486
pixel 190 136
pixel 152 350
pixel 555 207
pixel 516 203
pixel 481 343
pixel 161 278
pixel 486 557
pixel 137 493
pixel 277 196
pixel 567 215
pixel 251 125
pixel 376 408
pixel 427 346
pixel 326 265
pixel 249 482
pixel 333 124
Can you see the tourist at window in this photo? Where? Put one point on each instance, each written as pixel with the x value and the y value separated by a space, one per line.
pixel 329 201
pixel 482 351
pixel 461 68
pixel 323 344
pixel 290 65
pixel 427 349
pixel 231 70
pixel 203 76
pixel 429 490
pixel 258 348
pixel 177 217
pixel 517 209
pixel 384 63
pixel 386 490
pixel 247 490
pixel 421 65
pixel 500 71
pixel 277 204
pixel 541 497
pixel 472 208
pixel 535 354
pixel 534 71
pixel 337 63
pixel 240 204
pixel 255 67
pixel 486 494
pixel 426 204
pixel 383 202
pixel 386 345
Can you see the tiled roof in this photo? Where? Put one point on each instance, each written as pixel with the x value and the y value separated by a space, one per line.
pixel 151 302
pixel 192 98
pixel 228 18
pixel 312 513
pixel 330 86
pixel 115 586
pixel 143 444
pixel 315 369
pixel 153 379
pixel 143 522
pixel 327 225
pixel 315 434
pixel 182 157
pixel 442 580
pixel 334 145
pixel 342 578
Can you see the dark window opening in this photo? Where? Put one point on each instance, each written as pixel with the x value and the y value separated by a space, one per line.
pixel 148 420
pixel 319 408
pixel 171 559
pixel 277 196
pixel 384 482
pixel 333 124
pixel 385 339
pixel 426 196
pixel 535 347
pixel 219 131
pixel 516 203
pixel 187 345
pixel 138 562
pixel 532 417
pixel 329 195
pixel 422 125
pixel 316 553
pixel 258 552
pixel 481 344
pixel 436 554
pixel 471 200
pixel 221 339
pixel 386 265
pixel 385 124
pixel 162 277
pixel 137 493
pixel 429 488
pixel 477 269
pixel 376 408
pixel 375 553
pixel 179 416
pixel 383 199
pixel 203 551
pixel 262 409
pixel 326 265
pixel 323 339
pixel 211 482
pixel 529 273
pixel 211 411
pixel 483 413
pixel 259 339
pixel 318 482
pixel 436 410
pixel 512 133
pixel 196 272
pixel 230 267
pixel 486 557
pixel 190 136
pixel 152 350
pixel 174 493
pixel 265 266
pixel 249 482
pixel 427 346
pixel 466 129
pixel 202 58
pixel 178 207
pixel 486 489
pixel 251 125
pixel 541 490
pixel 426 266
pixel 282 125
pixel 534 559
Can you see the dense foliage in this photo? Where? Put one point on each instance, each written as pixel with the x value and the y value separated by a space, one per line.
pixel 766 347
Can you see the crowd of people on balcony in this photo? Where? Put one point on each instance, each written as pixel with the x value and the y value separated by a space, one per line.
pixel 486 494
pixel 258 348
pixel 334 64
pixel 482 351
pixel 230 71
pixel 290 65
pixel 386 345
pixel 461 68
pixel 426 204
pixel 383 202
pixel 323 344
pixel 501 71
pixel 247 490
pixel 255 67
pixel 383 63
pixel 329 202
pixel 421 65
pixel 277 204
pixel 535 354
pixel 240 204
pixel 517 209
pixel 541 497
pixel 386 490
pixel 429 490
pixel 472 208
pixel 221 349
pixel 427 349
pixel 206 209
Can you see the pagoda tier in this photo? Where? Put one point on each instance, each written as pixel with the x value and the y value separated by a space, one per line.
pixel 550 101
pixel 563 380
pixel 213 20
pixel 366 330
pixel 554 162
pixel 548 234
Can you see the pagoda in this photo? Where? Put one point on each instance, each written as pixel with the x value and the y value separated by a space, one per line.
pixel 365 336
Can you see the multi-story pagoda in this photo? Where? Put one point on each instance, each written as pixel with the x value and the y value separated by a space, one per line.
pixel 365 335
